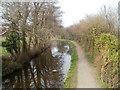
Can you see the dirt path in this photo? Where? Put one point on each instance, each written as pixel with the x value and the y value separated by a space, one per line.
pixel 86 73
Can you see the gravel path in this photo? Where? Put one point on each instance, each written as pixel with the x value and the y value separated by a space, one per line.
pixel 86 72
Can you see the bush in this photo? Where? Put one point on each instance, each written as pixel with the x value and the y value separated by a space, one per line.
pixel 106 47
pixel 12 42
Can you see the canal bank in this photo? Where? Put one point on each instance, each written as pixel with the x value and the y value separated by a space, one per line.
pixel 87 75
pixel 71 80
pixel 82 74
pixel 48 70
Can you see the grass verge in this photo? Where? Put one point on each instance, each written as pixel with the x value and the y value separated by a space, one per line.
pixel 87 53
pixel 90 58
pixel 71 80
pixel 2 38
pixel 3 51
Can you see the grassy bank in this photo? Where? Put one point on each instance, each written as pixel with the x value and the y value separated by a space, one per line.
pixel 87 53
pixel 71 79
pixel 3 50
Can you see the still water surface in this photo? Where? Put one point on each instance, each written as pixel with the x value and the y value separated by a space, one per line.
pixel 45 71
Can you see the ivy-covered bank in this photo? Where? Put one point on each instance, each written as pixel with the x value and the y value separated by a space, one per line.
pixel 71 80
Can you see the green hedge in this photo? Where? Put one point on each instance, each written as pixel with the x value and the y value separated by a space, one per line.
pixel 106 53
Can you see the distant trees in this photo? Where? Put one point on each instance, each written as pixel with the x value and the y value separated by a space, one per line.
pixel 103 22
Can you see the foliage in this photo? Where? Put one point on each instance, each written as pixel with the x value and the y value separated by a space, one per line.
pixel 98 34
pixel 33 20
pixel 3 51
pixel 106 47
pixel 12 43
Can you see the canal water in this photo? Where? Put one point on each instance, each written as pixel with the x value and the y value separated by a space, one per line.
pixel 45 71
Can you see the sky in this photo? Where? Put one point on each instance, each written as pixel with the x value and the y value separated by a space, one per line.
pixel 75 10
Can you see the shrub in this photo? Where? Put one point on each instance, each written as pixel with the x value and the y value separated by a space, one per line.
pixel 106 47
pixel 12 42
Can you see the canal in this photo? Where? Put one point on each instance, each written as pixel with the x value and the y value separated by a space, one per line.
pixel 48 70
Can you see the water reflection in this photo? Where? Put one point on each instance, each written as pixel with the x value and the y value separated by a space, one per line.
pixel 46 71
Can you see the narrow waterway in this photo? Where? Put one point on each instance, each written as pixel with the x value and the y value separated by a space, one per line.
pixel 45 71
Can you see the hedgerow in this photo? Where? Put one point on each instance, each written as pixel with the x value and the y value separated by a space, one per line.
pixel 106 59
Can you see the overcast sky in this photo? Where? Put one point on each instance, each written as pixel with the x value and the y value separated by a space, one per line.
pixel 75 10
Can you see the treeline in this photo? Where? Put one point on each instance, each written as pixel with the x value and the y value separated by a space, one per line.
pixel 99 35
pixel 33 21
pixel 28 28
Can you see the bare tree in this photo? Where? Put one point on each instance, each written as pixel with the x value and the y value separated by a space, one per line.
pixel 36 20
pixel 110 15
